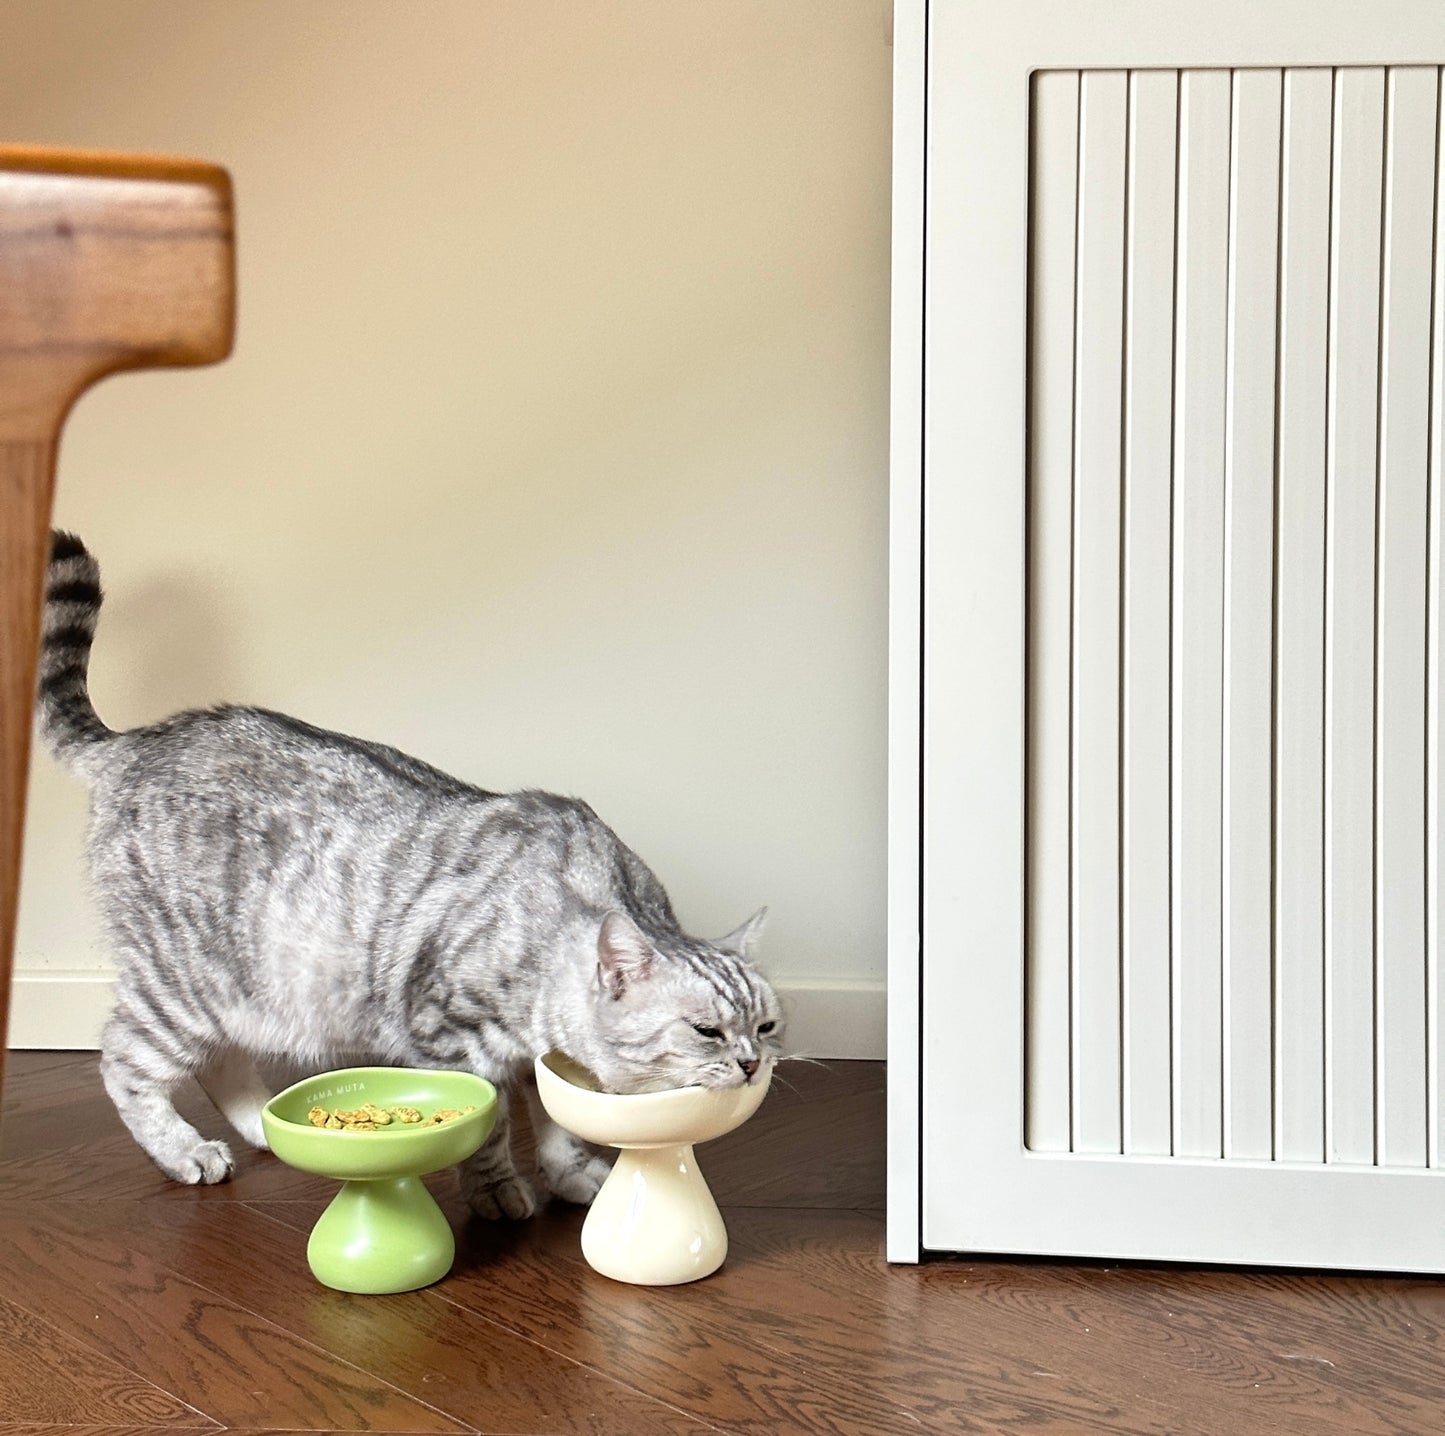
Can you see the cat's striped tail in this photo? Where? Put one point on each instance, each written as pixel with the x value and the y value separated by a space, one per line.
pixel 69 724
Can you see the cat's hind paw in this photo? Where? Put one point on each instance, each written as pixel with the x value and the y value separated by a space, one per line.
pixel 579 1184
pixel 249 1127
pixel 205 1164
pixel 509 1198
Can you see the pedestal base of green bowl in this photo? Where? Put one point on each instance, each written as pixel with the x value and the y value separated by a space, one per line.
pixel 379 1235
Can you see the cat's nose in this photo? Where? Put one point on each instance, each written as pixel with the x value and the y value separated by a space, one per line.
pixel 749 1066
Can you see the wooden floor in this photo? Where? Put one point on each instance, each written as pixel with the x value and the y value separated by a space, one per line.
pixel 128 1305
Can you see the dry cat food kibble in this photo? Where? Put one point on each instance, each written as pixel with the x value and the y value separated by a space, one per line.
pixel 369 1117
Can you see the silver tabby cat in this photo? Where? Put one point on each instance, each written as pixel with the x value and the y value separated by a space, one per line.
pixel 274 890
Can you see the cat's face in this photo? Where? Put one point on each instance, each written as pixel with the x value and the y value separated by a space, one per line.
pixel 692 1014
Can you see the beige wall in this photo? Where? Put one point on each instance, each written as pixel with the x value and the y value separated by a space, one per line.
pixel 554 445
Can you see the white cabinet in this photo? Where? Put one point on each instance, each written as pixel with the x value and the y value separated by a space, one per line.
pixel 1168 631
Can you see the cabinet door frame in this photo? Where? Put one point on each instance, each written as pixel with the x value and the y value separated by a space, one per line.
pixel 960 1176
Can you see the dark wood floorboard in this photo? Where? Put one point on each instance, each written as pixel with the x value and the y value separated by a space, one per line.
pixel 48 1377
pixel 131 1305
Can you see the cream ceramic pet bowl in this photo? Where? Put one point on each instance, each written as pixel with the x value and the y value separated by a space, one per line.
pixel 654 1222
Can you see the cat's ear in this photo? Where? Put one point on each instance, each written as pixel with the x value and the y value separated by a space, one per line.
pixel 624 955
pixel 741 940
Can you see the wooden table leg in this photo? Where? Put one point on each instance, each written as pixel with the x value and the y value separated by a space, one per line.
pixel 107 262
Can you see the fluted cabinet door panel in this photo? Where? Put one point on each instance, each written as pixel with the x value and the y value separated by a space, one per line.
pixel 1229 533
pixel 1182 570
pixel 1230 610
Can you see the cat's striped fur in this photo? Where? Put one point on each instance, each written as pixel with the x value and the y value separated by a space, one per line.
pixel 274 890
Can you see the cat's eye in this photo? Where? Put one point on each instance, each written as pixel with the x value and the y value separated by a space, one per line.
pixel 765 1027
pixel 706 1031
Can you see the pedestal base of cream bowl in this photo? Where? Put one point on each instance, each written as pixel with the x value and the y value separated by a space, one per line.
pixel 654 1223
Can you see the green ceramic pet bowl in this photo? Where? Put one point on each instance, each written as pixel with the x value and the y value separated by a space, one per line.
pixel 383 1231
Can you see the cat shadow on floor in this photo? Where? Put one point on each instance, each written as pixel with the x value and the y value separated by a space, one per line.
pixel 482 1243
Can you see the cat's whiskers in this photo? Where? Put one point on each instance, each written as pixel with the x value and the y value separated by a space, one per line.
pixel 803 1057
pixel 783 1081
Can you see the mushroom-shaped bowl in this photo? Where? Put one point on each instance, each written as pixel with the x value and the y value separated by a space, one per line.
pixel 383 1231
pixel 654 1222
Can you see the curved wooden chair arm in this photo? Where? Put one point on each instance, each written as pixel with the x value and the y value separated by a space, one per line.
pixel 107 262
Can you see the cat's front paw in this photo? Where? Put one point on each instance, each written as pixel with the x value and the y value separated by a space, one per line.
pixel 205 1164
pixel 499 1198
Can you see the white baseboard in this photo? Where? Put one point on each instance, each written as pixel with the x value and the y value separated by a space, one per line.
pixel 65 1009
pixel 835 1017
pixel 59 1008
